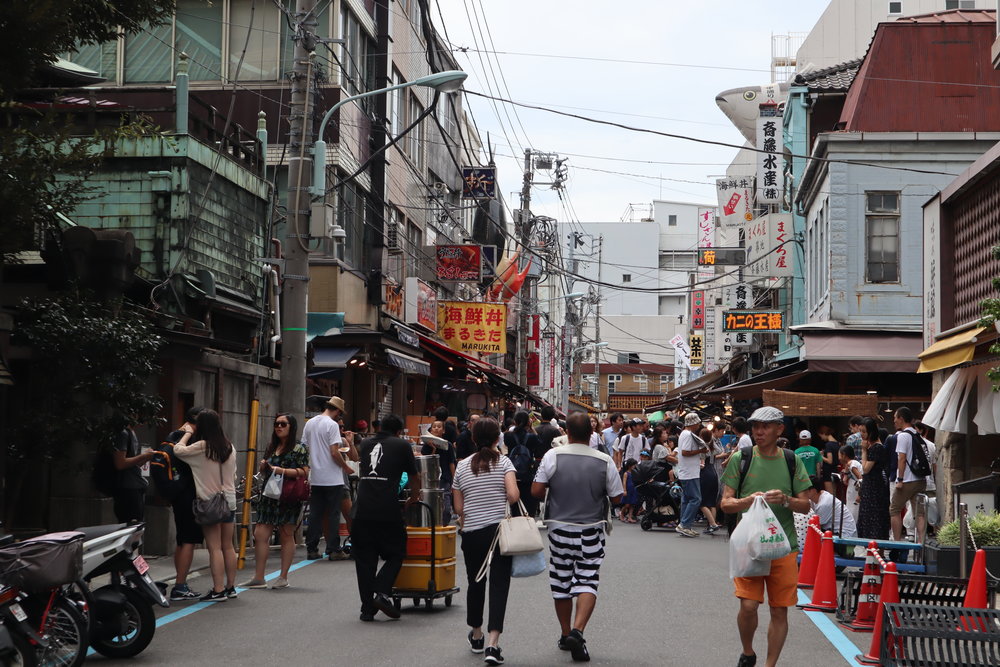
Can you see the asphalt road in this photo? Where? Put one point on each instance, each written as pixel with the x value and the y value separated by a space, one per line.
pixel 664 600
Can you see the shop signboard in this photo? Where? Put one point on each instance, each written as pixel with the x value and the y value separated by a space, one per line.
pixel 698 309
pixel 682 353
pixel 393 303
pixel 769 156
pixel 710 363
pixel 758 321
pixel 739 297
pixel 479 182
pixel 722 256
pixel 696 343
pixel 548 361
pixel 532 370
pixel 459 263
pixel 735 206
pixel 421 304
pixel 473 327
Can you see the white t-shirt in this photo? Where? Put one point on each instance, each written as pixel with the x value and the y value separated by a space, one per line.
pixel 828 508
pixel 744 441
pixel 596 439
pixel 319 433
pixel 630 446
pixel 688 467
pixel 853 483
pixel 932 459
pixel 904 442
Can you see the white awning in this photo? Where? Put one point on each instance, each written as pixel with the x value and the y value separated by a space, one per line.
pixel 949 411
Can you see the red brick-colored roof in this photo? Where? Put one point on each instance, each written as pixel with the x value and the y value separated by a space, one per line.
pixel 929 73
pixel 629 369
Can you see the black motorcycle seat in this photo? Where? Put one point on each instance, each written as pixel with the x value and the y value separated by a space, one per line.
pixel 92 532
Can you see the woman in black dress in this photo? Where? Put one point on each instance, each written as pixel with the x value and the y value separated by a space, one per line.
pixel 873 509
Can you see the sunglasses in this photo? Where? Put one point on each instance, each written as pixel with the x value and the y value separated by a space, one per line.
pixel 277 424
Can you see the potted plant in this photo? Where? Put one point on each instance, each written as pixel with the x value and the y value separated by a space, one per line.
pixel 941 557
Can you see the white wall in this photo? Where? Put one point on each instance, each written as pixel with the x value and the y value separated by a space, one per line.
pixel 630 248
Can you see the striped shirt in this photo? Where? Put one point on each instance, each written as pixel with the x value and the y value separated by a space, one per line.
pixel 484 495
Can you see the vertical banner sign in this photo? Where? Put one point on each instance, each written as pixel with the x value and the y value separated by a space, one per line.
pixel 769 160
pixel 473 327
pixel 781 260
pixel 734 195
pixel 757 245
pixel 698 309
pixel 682 353
pixel 710 364
pixel 697 346
pixel 706 237
pixel 739 296
pixel 547 356
pixel 533 370
pixel 723 343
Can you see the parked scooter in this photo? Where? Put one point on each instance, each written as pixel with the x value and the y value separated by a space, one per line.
pixel 121 615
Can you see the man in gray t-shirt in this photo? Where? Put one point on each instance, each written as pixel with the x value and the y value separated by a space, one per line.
pixel 579 481
pixel 130 492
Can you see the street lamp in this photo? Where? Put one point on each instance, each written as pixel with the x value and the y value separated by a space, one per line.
pixel 568 370
pixel 445 82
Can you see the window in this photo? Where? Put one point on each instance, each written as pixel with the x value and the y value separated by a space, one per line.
pixel 198 33
pixel 260 60
pixel 352 214
pixel 148 57
pixel 446 116
pixel 397 108
pixel 414 239
pixel 102 58
pixel 415 138
pixel 287 32
pixel 895 7
pixel 671 220
pixel 626 277
pixel 643 383
pixel 959 4
pixel 613 381
pixel 882 237
pixel 665 381
pixel 357 56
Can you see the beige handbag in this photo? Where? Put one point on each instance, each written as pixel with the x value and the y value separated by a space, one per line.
pixel 519 534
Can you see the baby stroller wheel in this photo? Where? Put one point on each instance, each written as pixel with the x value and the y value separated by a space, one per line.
pixel 646 523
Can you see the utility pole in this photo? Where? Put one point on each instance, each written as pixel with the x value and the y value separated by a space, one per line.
pixel 597 324
pixel 524 238
pixel 292 395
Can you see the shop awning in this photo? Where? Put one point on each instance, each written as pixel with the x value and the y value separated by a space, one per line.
pixel 951 351
pixel 949 411
pixel 448 355
pixel 755 386
pixel 689 390
pixel 802 404
pixel 333 357
pixel 408 364
pixel 861 352
pixel 324 324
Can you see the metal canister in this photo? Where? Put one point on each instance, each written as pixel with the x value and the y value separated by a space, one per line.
pixel 429 468
pixel 417 515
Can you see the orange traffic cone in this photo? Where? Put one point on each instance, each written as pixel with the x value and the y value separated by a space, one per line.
pixel 890 594
pixel 810 555
pixel 871 587
pixel 975 593
pixel 825 588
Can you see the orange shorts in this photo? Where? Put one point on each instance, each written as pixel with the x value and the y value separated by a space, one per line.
pixel 782 584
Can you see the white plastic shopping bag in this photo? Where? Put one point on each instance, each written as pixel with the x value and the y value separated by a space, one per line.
pixel 756 541
pixel 273 487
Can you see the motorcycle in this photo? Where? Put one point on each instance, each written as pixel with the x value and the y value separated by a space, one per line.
pixel 120 614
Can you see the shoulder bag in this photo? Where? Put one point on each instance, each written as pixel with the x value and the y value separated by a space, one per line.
pixel 214 510
pixel 516 535
pixel 294 490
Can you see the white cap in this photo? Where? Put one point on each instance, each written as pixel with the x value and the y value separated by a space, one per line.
pixel 805 435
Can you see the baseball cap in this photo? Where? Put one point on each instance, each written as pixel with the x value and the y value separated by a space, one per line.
pixel 805 435
pixel 691 418
pixel 645 452
pixel 767 414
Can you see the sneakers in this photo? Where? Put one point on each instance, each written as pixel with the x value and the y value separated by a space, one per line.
pixel 279 582
pixel 367 618
pixel 686 532
pixel 577 646
pixel 747 660
pixel 183 593
pixel 231 593
pixel 476 645
pixel 312 555
pixel 212 596
pixel 563 646
pixel 337 555
pixel 384 604
pixel 254 584
pixel 711 529
pixel 493 656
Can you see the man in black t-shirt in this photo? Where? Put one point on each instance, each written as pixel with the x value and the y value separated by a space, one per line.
pixel 464 446
pixel 546 431
pixel 378 530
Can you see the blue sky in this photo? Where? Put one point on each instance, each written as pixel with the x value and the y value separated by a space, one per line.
pixel 711 47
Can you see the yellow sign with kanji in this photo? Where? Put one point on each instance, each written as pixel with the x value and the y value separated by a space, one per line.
pixel 697 344
pixel 473 327
pixel 763 321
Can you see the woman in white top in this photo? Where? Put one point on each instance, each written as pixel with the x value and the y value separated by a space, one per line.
pixel 213 463
pixel 485 484
pixel 852 475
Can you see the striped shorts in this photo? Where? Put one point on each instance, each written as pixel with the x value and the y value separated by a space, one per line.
pixel 575 557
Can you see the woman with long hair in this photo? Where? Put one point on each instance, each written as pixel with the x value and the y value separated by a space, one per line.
pixel 709 478
pixel 873 503
pixel 485 485
pixel 286 456
pixel 213 463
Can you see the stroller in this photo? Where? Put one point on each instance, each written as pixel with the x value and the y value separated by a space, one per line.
pixel 660 500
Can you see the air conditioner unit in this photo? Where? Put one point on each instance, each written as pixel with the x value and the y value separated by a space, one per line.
pixel 393 244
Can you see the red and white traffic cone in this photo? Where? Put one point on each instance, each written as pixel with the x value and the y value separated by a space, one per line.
pixel 810 554
pixel 871 588
pixel 975 593
pixel 825 588
pixel 890 594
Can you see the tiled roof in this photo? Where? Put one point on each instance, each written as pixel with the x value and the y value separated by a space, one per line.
pixel 836 78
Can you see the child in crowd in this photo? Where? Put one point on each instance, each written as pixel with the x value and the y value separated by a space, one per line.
pixel 852 472
pixel 631 498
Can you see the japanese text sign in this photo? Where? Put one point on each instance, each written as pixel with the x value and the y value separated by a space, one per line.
pixel 769 157
pixel 473 327
pixel 722 256
pixel 698 309
pixel 706 227
pixel 421 304
pixel 763 321
pixel 682 353
pixel 739 297
pixel 769 247
pixel 697 344
pixel 459 262
pixel 479 182
pixel 735 196
pixel 392 298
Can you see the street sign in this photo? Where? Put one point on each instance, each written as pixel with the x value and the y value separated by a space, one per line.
pixel 722 256
pixel 760 321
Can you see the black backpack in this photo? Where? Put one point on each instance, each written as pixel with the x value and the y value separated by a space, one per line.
pixel 170 475
pixel 921 465
pixel 746 458
pixel 521 457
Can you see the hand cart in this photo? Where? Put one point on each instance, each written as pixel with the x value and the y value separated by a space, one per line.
pixel 431 593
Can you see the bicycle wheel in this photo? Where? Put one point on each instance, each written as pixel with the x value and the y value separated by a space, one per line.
pixel 66 632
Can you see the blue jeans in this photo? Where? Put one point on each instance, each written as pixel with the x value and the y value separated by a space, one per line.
pixel 691 502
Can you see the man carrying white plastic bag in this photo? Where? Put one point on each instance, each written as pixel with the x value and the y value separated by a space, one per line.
pixel 763 548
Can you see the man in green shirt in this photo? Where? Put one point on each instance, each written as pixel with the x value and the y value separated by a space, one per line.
pixel 768 476
pixel 809 455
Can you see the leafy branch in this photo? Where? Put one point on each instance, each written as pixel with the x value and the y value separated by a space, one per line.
pixel 990 316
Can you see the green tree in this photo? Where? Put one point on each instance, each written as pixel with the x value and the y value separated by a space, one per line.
pixel 990 316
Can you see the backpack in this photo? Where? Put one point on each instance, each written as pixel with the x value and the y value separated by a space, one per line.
pixel 921 465
pixel 105 474
pixel 746 458
pixel 521 457
pixel 169 474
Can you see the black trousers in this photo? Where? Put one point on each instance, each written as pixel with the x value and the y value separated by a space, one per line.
pixel 530 502
pixel 475 546
pixel 129 505
pixel 371 540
